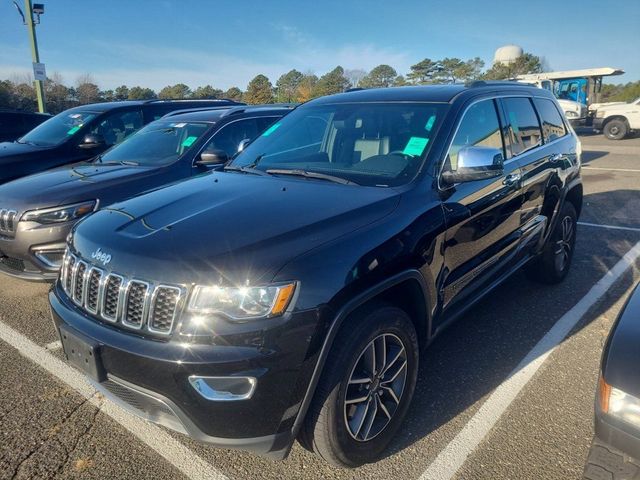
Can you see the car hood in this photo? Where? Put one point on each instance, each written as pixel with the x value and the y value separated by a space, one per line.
pixel 11 152
pixel 227 226
pixel 69 184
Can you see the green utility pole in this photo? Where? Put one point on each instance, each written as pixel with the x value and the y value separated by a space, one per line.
pixel 34 52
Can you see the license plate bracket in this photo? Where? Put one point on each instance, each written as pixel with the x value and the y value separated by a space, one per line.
pixel 82 353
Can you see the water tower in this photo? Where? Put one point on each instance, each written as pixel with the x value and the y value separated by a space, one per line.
pixel 507 54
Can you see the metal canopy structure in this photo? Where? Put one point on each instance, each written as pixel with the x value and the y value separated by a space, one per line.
pixel 561 75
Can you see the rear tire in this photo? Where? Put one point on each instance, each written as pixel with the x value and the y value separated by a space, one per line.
pixel 358 408
pixel 553 264
pixel 616 129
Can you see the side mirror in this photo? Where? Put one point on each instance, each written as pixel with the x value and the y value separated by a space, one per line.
pixel 210 158
pixel 92 141
pixel 476 163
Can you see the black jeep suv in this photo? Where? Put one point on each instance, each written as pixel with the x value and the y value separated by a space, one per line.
pixel 290 294
pixel 83 132
pixel 38 211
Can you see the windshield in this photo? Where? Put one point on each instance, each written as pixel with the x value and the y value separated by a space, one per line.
pixel 159 143
pixel 373 144
pixel 57 129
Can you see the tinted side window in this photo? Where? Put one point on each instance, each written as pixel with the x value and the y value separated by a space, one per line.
pixel 478 127
pixel 117 126
pixel 524 129
pixel 228 138
pixel 552 124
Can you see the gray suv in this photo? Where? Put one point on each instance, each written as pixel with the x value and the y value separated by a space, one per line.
pixel 38 211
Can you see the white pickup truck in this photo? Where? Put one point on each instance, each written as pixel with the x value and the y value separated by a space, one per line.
pixel 617 120
pixel 575 112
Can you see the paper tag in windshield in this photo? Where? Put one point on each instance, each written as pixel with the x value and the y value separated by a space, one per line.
pixel 271 129
pixel 189 141
pixel 415 146
pixel 430 122
pixel 75 115
pixel 73 130
pixel 179 125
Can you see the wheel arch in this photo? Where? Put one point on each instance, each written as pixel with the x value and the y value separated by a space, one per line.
pixel 616 117
pixel 574 195
pixel 411 281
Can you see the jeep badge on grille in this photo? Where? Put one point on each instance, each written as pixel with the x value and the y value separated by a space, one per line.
pixel 101 257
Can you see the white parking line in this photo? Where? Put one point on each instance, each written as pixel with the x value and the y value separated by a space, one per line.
pixel 170 449
pixel 610 227
pixel 453 456
pixel 612 169
pixel 57 345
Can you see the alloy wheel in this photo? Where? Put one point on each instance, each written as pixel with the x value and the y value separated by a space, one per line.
pixel 564 244
pixel 375 387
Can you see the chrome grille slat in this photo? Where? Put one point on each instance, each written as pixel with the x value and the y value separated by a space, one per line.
pixel 127 302
pixel 164 308
pixel 93 290
pixel 79 282
pixel 111 297
pixel 136 304
pixel 7 220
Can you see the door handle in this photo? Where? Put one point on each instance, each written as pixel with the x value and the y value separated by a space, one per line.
pixel 511 179
pixel 556 157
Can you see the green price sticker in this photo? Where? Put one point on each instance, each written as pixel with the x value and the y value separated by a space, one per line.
pixel 271 129
pixel 73 130
pixel 430 122
pixel 189 141
pixel 415 146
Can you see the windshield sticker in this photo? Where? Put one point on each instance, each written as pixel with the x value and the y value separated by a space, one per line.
pixel 180 125
pixel 415 146
pixel 76 115
pixel 271 129
pixel 430 122
pixel 73 130
pixel 189 141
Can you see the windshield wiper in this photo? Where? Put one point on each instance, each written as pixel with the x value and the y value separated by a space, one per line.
pixel 251 168
pixel 307 174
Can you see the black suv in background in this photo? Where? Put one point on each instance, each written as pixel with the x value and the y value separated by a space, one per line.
pixel 83 132
pixel 38 211
pixel 289 295
pixel 14 123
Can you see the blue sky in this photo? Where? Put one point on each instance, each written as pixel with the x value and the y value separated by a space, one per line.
pixel 228 42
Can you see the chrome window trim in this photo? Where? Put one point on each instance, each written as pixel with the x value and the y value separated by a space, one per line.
pixel 145 304
pixel 455 132
pixel 179 300
pixel 104 297
pixel 86 296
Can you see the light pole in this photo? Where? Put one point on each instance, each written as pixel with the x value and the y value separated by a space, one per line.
pixel 39 74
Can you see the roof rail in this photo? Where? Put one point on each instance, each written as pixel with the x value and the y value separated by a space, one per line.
pixel 155 100
pixel 497 83
pixel 265 106
pixel 197 109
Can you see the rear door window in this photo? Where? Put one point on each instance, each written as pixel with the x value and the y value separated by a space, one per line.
pixel 552 124
pixel 229 137
pixel 523 126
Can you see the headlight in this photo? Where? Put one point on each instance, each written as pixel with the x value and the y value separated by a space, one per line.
pixel 60 214
pixel 619 404
pixel 570 114
pixel 600 113
pixel 242 303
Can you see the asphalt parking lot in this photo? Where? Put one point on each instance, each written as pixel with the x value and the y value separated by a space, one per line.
pixel 505 393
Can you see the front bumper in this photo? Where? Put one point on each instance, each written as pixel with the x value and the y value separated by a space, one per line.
pixel 33 251
pixel 150 378
pixel 598 123
pixel 616 433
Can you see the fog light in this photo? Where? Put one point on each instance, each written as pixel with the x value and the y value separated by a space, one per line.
pixel 224 389
pixel 51 258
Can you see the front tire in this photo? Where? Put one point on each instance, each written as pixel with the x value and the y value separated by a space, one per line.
pixel 616 129
pixel 553 264
pixel 365 389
